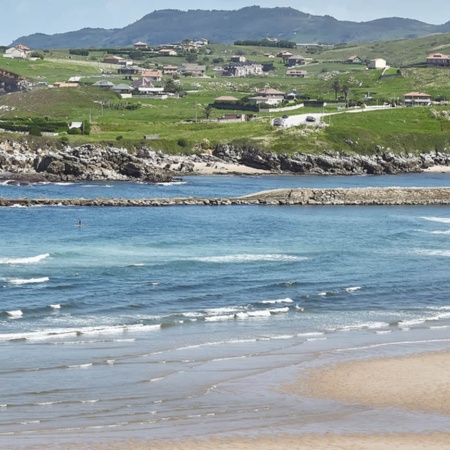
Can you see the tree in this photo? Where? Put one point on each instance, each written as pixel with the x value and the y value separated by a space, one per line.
pixel 172 87
pixel 207 110
pixel 346 92
pixel 336 86
pixel 191 57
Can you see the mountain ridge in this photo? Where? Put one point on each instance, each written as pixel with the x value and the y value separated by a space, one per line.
pixel 226 26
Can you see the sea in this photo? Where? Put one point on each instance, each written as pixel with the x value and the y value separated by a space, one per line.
pixel 187 321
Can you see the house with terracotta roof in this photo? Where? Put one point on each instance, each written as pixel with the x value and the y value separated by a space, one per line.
pixel 438 60
pixel 417 99
pixel 145 86
pixel 18 52
pixel 152 75
pixel 170 70
pixel 167 52
pixel 354 59
pixel 114 60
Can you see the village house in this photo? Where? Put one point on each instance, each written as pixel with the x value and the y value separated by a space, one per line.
pixel 285 56
pixel 354 59
pixel 170 70
pixel 193 70
pixel 238 59
pixel 18 52
pixel 63 84
pixel 140 45
pixel 114 60
pixel 124 90
pixel 377 63
pixel 105 84
pixel 242 69
pixel 438 60
pixel 417 99
pixel 167 52
pixel 292 96
pixel 297 73
pixel 268 96
pixel 152 75
pixel 296 60
pixel 145 86
pixel 128 70
pixel 225 102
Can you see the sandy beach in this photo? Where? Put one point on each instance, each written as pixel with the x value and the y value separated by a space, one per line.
pixel 419 383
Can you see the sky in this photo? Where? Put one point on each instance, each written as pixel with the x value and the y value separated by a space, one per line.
pixel 23 17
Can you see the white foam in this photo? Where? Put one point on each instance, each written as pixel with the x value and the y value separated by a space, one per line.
pixel 80 366
pixel 20 281
pixel 265 313
pixel 369 325
pixel 249 258
pixel 275 302
pixel 440 232
pixel 29 260
pixel 219 318
pixel 408 323
pixel 310 334
pixel 353 289
pixel 432 252
pixel 279 310
pixel 15 314
pixel 55 306
pixel 437 219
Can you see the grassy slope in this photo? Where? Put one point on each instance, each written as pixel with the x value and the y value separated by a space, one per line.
pixel 400 129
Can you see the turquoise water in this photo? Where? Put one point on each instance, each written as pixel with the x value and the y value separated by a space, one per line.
pixel 148 320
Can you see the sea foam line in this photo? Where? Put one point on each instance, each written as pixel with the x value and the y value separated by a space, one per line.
pixel 29 260
pixel 20 281
pixel 244 258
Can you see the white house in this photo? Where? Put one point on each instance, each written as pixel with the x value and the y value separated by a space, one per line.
pixel 18 52
pixel 417 99
pixel 377 63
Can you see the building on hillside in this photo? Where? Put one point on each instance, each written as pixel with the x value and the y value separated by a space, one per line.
pixel 417 99
pixel 140 45
pixel 285 56
pixel 167 52
pixel 193 70
pixel 170 70
pixel 377 63
pixel 123 89
pixel 18 52
pixel 238 59
pixel 292 96
pixel 63 84
pixel 105 84
pixel 114 60
pixel 152 75
pixel 145 86
pixel 438 60
pixel 354 59
pixel 296 60
pixel 297 73
pixel 264 100
pixel 242 69
pixel 129 70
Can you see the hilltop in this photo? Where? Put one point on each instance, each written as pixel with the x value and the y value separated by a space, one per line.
pixel 250 23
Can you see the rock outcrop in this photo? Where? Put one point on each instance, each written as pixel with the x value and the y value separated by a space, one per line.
pixel 331 163
pixel 87 162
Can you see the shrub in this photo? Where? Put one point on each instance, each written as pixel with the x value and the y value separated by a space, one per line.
pixel 182 142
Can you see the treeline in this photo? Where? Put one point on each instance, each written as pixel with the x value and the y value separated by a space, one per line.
pixel 267 43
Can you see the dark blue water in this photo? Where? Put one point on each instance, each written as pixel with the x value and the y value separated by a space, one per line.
pixel 146 319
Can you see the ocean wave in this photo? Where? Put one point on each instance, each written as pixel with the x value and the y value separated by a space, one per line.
pixel 353 289
pixel 15 314
pixel 432 252
pixel 275 302
pixel 28 260
pixel 440 232
pixel 245 258
pixel 437 219
pixel 20 281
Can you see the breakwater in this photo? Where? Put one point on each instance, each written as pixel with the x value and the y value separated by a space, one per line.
pixel 287 197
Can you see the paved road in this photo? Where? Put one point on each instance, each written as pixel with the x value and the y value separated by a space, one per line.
pixel 300 119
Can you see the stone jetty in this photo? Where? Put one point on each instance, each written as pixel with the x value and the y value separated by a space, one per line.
pixel 278 197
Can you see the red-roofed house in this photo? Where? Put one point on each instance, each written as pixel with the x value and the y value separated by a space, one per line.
pixel 417 99
pixel 438 60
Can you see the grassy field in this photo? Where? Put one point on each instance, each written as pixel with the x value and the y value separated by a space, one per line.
pixel 180 123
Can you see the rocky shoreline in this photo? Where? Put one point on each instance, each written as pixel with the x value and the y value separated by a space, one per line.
pixel 278 197
pixel 100 163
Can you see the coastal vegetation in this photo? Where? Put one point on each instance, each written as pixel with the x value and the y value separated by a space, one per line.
pixel 190 123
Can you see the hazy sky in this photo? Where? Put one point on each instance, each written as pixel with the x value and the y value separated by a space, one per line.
pixel 23 17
